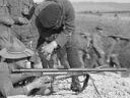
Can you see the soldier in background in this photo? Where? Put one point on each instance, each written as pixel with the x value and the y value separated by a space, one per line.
pixel 94 40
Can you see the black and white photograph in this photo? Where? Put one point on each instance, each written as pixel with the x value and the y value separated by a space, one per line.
pixel 64 48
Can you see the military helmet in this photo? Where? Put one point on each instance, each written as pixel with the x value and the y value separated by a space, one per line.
pixel 14 48
pixel 50 14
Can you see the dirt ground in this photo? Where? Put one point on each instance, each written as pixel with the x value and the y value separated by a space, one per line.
pixel 109 85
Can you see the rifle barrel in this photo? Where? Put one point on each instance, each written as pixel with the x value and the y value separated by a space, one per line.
pixel 71 70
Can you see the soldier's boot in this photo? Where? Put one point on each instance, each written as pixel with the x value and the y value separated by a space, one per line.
pixel 75 85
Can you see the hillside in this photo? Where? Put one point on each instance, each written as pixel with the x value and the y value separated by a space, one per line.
pixel 92 6
pixel 87 17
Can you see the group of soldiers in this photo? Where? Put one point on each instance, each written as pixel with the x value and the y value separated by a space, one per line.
pixel 30 34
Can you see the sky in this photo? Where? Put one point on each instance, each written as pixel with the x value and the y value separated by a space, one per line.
pixel 119 1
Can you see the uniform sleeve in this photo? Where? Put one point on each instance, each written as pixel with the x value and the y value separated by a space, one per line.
pixel 34 36
pixel 69 24
pixel 14 11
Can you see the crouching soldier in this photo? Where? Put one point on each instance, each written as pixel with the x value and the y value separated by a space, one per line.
pixel 55 20
pixel 16 56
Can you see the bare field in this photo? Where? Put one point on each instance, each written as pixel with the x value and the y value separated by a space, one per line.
pixel 92 6
pixel 109 24
pixel 86 21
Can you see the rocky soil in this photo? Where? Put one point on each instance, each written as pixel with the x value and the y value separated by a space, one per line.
pixel 109 85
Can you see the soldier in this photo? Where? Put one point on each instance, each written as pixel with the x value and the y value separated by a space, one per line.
pixel 94 40
pixel 16 55
pixel 55 22
pixel 21 12
pixel 7 81
pixel 98 46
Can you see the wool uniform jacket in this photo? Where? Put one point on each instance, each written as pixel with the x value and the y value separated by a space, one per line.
pixel 65 28
pixel 18 9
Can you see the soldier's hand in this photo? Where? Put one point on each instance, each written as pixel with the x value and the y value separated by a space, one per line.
pixel 25 11
pixel 49 48
pixel 22 20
